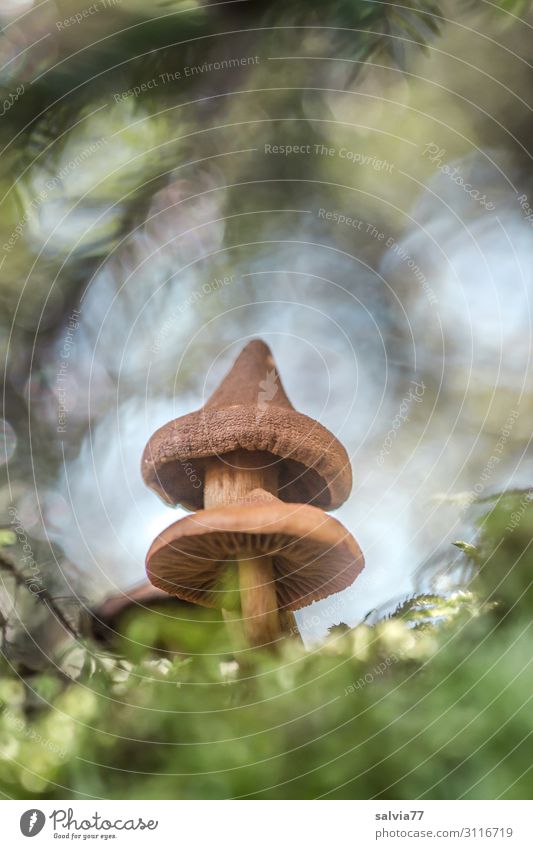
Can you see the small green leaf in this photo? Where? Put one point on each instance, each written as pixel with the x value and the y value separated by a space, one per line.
pixel 7 537
pixel 467 547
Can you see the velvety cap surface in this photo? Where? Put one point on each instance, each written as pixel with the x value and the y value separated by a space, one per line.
pixel 249 410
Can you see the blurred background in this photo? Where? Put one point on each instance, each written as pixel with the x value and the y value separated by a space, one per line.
pixel 351 184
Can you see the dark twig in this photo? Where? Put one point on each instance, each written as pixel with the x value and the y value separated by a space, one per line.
pixel 43 596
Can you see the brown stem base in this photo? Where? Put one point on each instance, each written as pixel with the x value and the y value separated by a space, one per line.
pixel 259 601
pixel 232 477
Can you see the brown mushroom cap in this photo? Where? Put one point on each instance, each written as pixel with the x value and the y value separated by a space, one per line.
pixel 249 411
pixel 313 555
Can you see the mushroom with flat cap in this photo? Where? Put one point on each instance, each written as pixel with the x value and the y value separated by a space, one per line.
pixel 287 556
pixel 248 435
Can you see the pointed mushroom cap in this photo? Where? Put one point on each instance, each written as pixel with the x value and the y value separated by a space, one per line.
pixel 313 555
pixel 249 410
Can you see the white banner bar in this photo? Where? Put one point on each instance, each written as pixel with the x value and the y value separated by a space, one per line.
pixel 267 825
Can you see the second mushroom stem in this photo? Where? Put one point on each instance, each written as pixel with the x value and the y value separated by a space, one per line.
pixel 259 602
pixel 229 480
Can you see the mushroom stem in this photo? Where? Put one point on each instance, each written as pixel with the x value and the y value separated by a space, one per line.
pixel 228 480
pixel 231 478
pixel 259 601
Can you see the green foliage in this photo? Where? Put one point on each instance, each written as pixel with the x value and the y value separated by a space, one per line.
pixel 170 634
pixel 423 611
pixel 432 701
pixel 366 26
pixel 514 7
pixel 395 710
pixel 506 553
